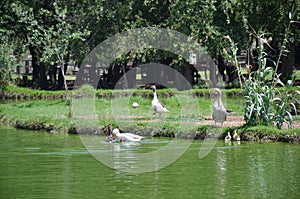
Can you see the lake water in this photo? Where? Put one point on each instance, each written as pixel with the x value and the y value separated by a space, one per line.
pixel 44 165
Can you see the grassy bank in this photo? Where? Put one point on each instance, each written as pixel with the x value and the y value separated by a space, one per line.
pixel 117 110
pixel 13 92
pixel 189 112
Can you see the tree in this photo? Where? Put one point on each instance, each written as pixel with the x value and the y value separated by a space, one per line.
pixel 6 61
pixel 39 25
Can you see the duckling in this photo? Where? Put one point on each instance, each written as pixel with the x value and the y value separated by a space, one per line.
pixel 236 136
pixel 228 137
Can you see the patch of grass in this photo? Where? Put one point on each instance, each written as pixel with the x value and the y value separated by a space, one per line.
pixel 268 130
pixel 182 108
pixel 46 111
pixel 185 111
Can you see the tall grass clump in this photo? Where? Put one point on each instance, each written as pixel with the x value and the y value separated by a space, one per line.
pixel 268 101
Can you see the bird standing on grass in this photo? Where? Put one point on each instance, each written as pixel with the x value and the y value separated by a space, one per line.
pixel 157 106
pixel 219 111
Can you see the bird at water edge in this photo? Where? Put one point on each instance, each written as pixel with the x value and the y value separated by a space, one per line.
pixel 227 137
pixel 219 111
pixel 236 136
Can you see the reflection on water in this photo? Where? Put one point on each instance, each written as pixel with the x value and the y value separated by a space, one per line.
pixel 44 165
pixel 136 157
pixel 220 172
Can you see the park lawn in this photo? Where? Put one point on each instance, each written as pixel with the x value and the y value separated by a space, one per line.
pixel 184 110
pixel 36 111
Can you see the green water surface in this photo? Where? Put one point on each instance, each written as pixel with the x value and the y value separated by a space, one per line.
pixel 45 165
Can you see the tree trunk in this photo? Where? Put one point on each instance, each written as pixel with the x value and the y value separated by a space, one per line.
pixel 212 72
pixel 34 62
pixel 187 73
pixel 43 77
pixel 60 82
pixel 52 76
pixel 39 78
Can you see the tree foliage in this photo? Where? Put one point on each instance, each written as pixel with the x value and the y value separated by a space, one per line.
pixel 6 62
pixel 55 31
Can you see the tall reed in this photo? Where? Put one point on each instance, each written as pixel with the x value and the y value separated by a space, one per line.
pixel 268 101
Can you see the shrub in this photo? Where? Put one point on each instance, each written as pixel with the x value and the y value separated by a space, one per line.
pixel 268 101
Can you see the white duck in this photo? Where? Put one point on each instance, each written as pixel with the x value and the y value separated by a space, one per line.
pixel 126 136
pixel 219 111
pixel 157 106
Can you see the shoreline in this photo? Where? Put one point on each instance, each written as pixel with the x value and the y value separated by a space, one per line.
pixel 58 122
pixel 254 133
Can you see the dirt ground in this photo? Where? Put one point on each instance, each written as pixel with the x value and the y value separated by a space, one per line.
pixel 238 121
pixel 231 121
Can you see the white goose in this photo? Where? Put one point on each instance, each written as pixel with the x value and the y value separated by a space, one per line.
pixel 126 136
pixel 219 111
pixel 157 106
